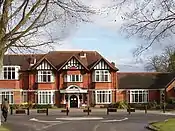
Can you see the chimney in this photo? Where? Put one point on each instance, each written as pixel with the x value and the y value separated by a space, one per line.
pixel 32 61
pixel 82 54
pixel 113 64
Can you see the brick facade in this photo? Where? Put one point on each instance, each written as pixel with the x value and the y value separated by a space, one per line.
pixel 89 91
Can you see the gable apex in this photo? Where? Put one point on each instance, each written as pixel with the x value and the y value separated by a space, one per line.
pixel 103 64
pixel 44 64
pixel 73 63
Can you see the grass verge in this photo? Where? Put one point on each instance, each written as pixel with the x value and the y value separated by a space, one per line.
pixel 3 129
pixel 168 125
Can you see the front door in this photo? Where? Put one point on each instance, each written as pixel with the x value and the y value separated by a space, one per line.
pixel 73 101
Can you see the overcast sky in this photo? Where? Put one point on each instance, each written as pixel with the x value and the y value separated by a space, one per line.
pixel 103 35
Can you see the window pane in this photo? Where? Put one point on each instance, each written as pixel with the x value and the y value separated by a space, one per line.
pixel 97 78
pixel 109 98
pixel 44 78
pixel 46 96
pixel 140 98
pixel 49 98
pixel 102 76
pixel 49 78
pixel 133 98
pixel 136 97
pixel 106 77
pixel 77 77
pixel 73 78
pixel 13 75
pixel 103 97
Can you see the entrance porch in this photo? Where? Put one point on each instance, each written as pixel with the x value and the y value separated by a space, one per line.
pixel 74 96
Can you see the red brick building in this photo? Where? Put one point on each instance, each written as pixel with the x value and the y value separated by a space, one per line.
pixel 76 79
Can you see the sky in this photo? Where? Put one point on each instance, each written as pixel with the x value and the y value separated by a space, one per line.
pixel 103 35
pixel 107 42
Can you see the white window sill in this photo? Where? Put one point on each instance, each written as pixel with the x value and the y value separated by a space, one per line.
pixel 104 103
pixel 102 81
pixel 73 81
pixel 44 82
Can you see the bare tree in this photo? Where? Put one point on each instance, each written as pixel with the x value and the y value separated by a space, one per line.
pixel 22 22
pixel 151 20
pixel 164 62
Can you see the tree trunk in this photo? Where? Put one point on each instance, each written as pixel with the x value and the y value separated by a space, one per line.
pixel 2 52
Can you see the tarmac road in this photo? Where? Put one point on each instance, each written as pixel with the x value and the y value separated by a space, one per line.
pixel 112 122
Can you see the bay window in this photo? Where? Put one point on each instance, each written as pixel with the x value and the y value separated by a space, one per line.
pixel 138 96
pixel 103 96
pixel 102 76
pixel 45 76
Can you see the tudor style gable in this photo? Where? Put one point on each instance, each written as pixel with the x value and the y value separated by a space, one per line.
pixel 44 72
pixel 44 65
pixel 73 63
pixel 101 71
pixel 101 65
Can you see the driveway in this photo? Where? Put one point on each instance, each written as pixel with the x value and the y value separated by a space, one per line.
pixel 112 122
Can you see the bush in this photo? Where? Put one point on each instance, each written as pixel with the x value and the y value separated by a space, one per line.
pixel 122 105
pixel 39 106
pixel 119 105
pixel 171 100
pixel 139 106
pixel 154 105
pixel 113 105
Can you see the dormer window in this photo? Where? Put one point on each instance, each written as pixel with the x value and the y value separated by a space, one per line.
pixel 102 76
pixel 45 76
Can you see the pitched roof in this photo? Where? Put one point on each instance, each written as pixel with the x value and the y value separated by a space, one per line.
pixel 56 58
pixel 144 80
pixel 21 60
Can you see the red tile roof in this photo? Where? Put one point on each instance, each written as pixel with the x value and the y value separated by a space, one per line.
pixel 56 58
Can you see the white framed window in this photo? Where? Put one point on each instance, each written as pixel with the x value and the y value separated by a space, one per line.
pixel 11 72
pixel 102 76
pixel 45 76
pixel 73 78
pixel 24 96
pixel 103 96
pixel 8 95
pixel 138 96
pixel 46 97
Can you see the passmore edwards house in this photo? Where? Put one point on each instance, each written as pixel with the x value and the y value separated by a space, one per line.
pixel 76 79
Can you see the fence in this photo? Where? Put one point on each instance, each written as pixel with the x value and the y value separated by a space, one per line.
pixel 67 111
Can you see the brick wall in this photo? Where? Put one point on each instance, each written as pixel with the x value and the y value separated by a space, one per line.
pixel 154 95
pixel 10 84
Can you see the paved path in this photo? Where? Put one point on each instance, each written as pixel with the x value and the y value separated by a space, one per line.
pixel 113 122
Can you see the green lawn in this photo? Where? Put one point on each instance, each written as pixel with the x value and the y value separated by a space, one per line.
pixel 3 128
pixel 166 125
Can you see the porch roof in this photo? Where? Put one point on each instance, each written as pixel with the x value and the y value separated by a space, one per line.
pixel 73 89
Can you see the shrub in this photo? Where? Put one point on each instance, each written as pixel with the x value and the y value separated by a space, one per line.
pixel 119 105
pixel 171 100
pixel 39 106
pixel 154 105
pixel 122 105
pixel 139 106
